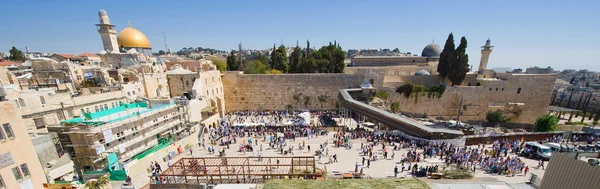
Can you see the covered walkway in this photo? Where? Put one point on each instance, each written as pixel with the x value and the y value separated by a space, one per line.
pixel 397 122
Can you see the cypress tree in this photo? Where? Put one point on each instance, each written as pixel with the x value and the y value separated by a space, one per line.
pixel 448 57
pixel 459 70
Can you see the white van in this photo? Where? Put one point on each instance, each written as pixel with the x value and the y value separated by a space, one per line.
pixel 534 149
pixel 554 146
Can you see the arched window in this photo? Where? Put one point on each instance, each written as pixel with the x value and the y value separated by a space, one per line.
pixel 477 84
pixel 96 108
pixel 469 84
pixel 105 106
pixel 88 110
pixel 82 111
pixel 112 104
pixel 187 83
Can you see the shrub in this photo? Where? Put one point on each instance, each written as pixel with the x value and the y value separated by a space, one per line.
pixel 395 107
pixel 382 95
pixel 546 123
pixel 458 174
pixel 496 117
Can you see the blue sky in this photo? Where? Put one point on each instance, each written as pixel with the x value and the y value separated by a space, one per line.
pixel 561 34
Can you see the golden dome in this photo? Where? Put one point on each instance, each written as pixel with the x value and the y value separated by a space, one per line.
pixel 132 38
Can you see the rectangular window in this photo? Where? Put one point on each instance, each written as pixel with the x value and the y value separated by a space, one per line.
pixel 42 100
pixel 17 173
pixel 25 170
pixel 2 184
pixel 519 91
pixel 2 137
pixel 39 122
pixel 8 130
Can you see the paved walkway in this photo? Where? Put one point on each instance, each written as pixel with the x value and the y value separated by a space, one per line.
pixel 347 158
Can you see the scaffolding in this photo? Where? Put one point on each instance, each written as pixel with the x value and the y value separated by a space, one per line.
pixel 193 172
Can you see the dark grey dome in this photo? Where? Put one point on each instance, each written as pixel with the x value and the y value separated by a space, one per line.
pixel 431 50
pixel 422 72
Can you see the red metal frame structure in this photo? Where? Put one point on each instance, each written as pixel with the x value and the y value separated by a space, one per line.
pixel 191 172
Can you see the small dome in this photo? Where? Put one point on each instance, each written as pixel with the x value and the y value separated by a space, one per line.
pixel 132 38
pixel 422 72
pixel 432 50
pixel 102 12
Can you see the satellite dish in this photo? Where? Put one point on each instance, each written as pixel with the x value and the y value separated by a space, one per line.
pixel 593 162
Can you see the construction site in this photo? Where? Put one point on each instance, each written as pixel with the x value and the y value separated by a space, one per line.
pixel 198 171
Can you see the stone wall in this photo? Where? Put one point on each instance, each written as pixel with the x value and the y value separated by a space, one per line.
pixel 180 83
pixel 45 148
pixel 522 97
pixel 277 92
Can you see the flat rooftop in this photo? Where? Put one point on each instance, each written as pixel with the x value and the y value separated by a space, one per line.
pixel 121 112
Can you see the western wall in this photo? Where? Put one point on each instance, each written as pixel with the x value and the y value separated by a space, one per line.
pixel 281 91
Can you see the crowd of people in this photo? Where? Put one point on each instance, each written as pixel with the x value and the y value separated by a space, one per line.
pixel 498 158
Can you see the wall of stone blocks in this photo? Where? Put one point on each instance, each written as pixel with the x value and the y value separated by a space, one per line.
pixel 276 92
pixel 524 107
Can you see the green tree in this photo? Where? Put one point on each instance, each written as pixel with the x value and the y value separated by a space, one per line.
pixel 98 183
pixel 496 117
pixel 16 55
pixel 587 84
pixel 256 67
pixel 572 80
pixel 296 61
pixel 232 62
pixel 395 107
pixel 448 57
pixel 161 52
pixel 459 69
pixel 220 63
pixel 396 50
pixel 279 59
pixel 546 123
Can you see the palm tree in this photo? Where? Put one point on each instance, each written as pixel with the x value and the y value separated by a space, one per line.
pixel 97 183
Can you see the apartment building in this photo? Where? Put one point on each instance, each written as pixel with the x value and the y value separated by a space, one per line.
pixel 19 165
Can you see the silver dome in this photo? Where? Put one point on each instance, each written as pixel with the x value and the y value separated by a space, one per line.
pixel 422 72
pixel 431 50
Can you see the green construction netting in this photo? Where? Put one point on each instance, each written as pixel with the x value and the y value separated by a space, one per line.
pixel 89 117
pixel 114 169
pixel 118 175
pixel 162 143
pixel 113 162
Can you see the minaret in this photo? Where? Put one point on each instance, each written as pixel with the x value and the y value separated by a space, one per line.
pixel 107 33
pixel 486 50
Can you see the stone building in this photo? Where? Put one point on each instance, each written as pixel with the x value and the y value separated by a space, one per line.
pixel 429 57
pixel 19 167
pixel 538 70
pixel 204 91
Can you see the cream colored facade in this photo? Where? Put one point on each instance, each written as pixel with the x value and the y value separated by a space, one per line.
pixel 17 154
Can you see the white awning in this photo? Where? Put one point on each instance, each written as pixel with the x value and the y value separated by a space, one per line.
pixel 63 166
pixel 25 76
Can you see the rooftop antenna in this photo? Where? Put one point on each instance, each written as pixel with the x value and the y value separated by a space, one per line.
pixel 166 47
pixel 128 24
